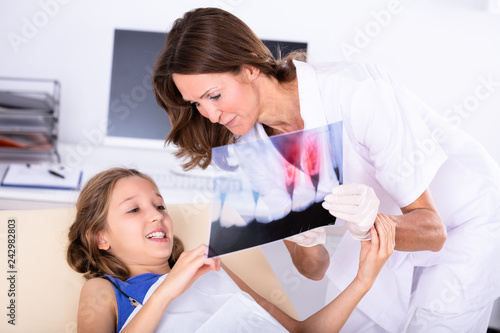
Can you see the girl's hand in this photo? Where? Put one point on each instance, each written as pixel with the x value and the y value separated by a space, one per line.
pixel 374 253
pixel 188 268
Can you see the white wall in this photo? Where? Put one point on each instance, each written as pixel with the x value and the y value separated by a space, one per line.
pixel 441 49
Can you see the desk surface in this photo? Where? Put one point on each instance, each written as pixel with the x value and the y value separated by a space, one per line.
pixel 159 163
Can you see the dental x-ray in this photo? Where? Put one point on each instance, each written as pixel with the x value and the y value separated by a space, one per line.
pixel 269 189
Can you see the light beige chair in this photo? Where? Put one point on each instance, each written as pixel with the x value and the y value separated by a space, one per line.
pixel 42 291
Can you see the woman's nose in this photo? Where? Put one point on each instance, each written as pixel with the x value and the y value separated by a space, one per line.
pixel 213 114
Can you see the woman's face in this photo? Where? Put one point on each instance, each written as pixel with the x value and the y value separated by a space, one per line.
pixel 139 229
pixel 225 98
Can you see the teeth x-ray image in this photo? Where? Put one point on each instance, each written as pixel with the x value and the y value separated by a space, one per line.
pixel 269 189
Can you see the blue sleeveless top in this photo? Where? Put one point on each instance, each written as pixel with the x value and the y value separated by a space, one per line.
pixel 135 287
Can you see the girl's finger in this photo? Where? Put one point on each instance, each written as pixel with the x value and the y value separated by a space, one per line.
pixel 195 256
pixel 373 232
pixel 375 238
pixel 217 264
pixel 197 251
pixel 392 234
pixel 213 263
pixel 390 229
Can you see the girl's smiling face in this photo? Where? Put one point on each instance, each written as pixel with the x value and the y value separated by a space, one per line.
pixel 139 229
pixel 225 98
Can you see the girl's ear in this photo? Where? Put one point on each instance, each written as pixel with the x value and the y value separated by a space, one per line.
pixel 102 242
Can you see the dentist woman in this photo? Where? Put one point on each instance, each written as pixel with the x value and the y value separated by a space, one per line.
pixel 220 85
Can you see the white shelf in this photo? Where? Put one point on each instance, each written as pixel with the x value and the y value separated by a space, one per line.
pixel 29 117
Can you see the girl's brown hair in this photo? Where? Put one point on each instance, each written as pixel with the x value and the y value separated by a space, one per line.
pixel 203 41
pixel 83 254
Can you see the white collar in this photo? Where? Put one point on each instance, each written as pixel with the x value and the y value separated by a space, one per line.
pixel 311 106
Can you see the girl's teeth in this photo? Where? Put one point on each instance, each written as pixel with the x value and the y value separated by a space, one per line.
pixel 157 234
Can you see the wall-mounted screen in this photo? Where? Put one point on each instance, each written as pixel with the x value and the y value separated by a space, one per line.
pixel 134 117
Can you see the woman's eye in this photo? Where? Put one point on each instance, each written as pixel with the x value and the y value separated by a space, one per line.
pixel 195 105
pixel 215 98
pixel 135 210
pixel 160 207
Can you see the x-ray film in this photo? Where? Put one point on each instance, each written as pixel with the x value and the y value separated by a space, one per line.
pixel 269 189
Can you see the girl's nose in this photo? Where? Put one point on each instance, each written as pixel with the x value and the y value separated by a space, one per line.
pixel 156 216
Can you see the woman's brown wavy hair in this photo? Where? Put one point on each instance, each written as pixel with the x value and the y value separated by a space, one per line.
pixel 83 253
pixel 203 41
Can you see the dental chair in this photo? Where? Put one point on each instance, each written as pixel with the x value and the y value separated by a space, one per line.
pixel 39 292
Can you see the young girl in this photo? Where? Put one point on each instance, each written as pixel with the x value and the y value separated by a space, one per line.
pixel 140 280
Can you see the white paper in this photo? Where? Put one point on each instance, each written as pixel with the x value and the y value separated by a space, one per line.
pixel 40 176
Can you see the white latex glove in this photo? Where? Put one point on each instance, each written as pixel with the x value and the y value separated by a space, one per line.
pixel 309 238
pixel 357 205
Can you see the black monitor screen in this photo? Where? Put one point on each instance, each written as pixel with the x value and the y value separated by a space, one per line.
pixel 133 112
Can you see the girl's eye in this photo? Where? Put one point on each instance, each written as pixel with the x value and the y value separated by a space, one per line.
pixel 160 207
pixel 215 98
pixel 135 210
pixel 195 105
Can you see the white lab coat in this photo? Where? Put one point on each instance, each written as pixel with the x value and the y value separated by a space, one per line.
pixel 397 145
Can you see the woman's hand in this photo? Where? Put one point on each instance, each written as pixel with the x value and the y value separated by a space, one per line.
pixel 374 253
pixel 188 268
pixel 357 205
pixel 310 237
